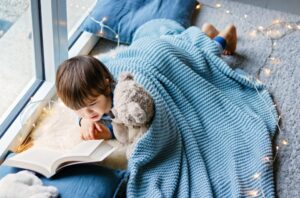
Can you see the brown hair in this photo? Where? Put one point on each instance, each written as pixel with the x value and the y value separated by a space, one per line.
pixel 81 79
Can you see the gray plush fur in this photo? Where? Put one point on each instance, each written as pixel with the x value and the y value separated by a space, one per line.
pixel 133 111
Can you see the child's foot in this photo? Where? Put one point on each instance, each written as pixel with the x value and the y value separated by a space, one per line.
pixel 209 30
pixel 230 35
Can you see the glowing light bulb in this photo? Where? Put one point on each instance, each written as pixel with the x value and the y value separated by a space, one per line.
pixel 274 61
pixel 245 16
pixel 298 26
pixel 284 142
pixel 101 31
pixel 276 21
pixel 256 175
pixel 218 5
pixel 253 33
pixel 267 71
pixel 227 11
pixel 253 193
pixel 198 6
pixel 289 26
pixel 117 36
pixel 261 28
pixel 269 32
pixel 277 147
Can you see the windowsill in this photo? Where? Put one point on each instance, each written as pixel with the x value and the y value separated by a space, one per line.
pixel 17 132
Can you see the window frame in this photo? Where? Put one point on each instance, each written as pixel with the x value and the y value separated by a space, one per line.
pixel 52 45
pixel 16 107
pixel 49 28
pixel 76 32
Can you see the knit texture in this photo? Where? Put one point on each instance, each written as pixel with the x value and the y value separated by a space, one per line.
pixel 211 132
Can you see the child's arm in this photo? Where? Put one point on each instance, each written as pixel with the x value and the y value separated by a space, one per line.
pixel 93 130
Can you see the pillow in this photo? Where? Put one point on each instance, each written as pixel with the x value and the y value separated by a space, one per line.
pixel 85 180
pixel 124 16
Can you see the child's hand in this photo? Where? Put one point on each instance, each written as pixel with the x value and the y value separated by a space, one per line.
pixel 91 130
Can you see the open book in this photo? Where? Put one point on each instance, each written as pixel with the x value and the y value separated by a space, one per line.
pixel 48 162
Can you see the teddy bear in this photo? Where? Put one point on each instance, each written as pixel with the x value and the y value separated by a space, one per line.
pixel 133 111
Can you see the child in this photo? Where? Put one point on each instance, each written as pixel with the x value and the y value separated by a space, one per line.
pixel 85 85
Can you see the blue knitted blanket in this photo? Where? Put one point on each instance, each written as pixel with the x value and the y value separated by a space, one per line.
pixel 212 130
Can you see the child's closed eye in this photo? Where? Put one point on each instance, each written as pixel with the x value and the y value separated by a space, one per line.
pixel 93 104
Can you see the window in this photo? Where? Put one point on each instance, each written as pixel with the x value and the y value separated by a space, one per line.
pixel 35 36
pixel 77 11
pixel 21 68
pixel 33 45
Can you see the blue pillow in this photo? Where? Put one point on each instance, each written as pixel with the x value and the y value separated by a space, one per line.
pixel 82 180
pixel 125 16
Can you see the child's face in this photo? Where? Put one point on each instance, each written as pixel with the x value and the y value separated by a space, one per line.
pixel 96 109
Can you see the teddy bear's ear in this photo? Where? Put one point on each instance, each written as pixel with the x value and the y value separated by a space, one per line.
pixel 125 76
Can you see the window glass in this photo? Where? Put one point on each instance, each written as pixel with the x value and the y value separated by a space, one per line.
pixel 77 11
pixel 17 68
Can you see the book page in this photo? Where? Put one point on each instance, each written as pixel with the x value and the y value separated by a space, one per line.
pixel 46 161
pixel 84 148
pixel 103 151
pixel 100 153
pixel 35 157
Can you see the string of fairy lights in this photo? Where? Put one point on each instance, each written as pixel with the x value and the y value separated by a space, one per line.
pixel 103 27
pixel 269 32
pixel 272 35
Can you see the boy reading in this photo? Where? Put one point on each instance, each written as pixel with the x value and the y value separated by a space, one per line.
pixel 85 85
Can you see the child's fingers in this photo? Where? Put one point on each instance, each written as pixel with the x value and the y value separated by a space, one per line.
pixel 91 135
pixel 94 133
pixel 82 136
pixel 98 127
pixel 85 135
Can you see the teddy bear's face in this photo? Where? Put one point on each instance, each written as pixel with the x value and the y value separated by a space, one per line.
pixel 130 114
pixel 133 105
pixel 133 111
